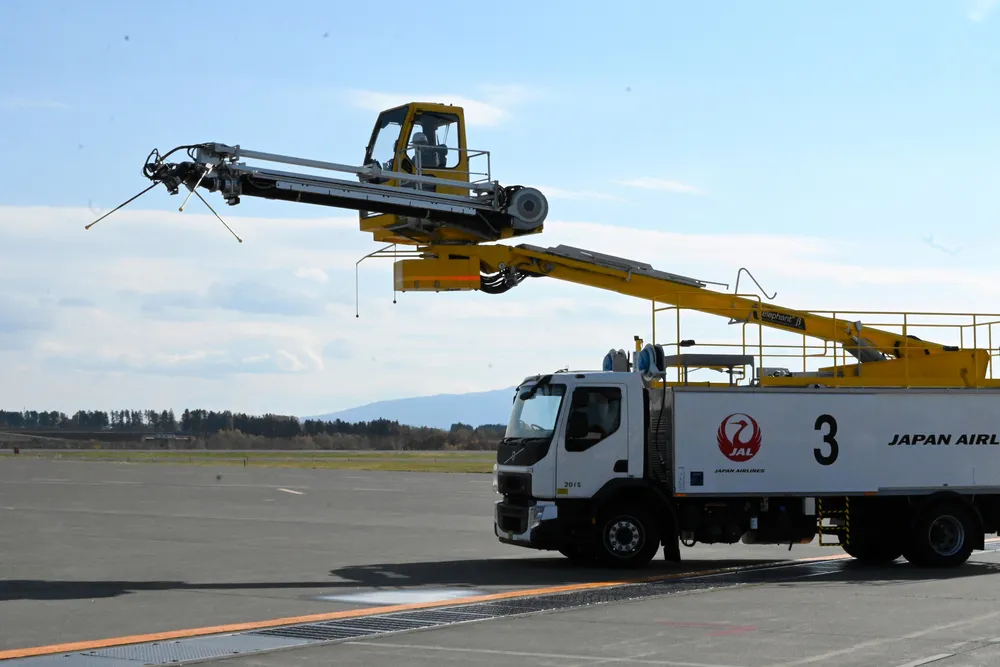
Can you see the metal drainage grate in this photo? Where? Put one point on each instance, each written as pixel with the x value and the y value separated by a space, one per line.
pixel 187 650
pixel 443 616
pixel 380 623
pixel 370 626
pixel 316 633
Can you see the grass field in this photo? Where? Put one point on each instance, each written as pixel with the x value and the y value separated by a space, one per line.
pixel 468 462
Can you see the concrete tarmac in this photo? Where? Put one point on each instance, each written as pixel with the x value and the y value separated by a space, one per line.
pixel 91 550
pixel 889 617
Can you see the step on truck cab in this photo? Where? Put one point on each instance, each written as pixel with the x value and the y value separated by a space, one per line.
pixel 606 466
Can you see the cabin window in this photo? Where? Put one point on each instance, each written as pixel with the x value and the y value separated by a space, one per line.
pixel 595 413
pixel 383 148
pixel 433 141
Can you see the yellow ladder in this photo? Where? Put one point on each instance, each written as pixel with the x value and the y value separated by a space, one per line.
pixel 846 528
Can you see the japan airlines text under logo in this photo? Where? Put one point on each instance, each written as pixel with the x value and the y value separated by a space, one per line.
pixel 739 437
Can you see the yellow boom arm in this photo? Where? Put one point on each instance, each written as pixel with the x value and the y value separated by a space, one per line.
pixel 888 357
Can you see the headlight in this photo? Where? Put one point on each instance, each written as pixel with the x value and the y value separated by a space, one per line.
pixel 496 482
pixel 543 511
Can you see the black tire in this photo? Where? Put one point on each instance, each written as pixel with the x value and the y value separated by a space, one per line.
pixel 628 537
pixel 872 533
pixel 878 551
pixel 942 535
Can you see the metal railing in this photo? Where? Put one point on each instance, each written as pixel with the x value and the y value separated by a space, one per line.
pixel 469 153
pixel 805 353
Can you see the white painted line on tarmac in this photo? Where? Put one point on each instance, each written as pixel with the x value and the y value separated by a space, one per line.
pixel 166 485
pixel 297 493
pixel 412 596
pixel 927 660
pixel 526 654
pixel 48 480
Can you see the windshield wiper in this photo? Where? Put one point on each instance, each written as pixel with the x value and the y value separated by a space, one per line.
pixel 523 439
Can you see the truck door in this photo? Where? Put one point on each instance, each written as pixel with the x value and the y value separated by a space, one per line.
pixel 594 446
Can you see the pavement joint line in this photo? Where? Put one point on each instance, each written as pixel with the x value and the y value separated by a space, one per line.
pixel 456 604
pixel 926 661
pixel 590 659
pixel 881 641
pixel 189 633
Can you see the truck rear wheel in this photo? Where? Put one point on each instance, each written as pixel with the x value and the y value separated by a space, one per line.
pixel 875 551
pixel 942 536
pixel 628 537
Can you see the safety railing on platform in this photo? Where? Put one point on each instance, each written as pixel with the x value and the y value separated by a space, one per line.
pixel 414 152
pixel 773 348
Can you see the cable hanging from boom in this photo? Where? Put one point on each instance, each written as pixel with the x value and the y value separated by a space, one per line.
pixel 502 281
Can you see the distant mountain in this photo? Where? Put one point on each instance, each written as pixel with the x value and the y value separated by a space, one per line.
pixel 439 411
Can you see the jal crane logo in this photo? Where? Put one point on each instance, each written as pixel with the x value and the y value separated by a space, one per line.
pixel 739 437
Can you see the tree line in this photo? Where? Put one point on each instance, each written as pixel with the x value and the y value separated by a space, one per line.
pixel 235 430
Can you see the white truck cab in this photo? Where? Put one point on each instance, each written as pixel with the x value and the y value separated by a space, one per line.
pixel 569 433
pixel 572 437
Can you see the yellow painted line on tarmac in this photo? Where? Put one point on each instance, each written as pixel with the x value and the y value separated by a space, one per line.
pixel 386 609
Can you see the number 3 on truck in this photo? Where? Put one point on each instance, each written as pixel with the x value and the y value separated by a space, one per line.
pixel 829 438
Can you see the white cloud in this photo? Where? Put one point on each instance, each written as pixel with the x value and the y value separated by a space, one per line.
pixel 662 184
pixel 288 361
pixel 319 275
pixel 981 9
pixel 493 107
pixel 551 192
pixel 162 309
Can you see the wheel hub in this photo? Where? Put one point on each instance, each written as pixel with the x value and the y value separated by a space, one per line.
pixel 946 535
pixel 624 536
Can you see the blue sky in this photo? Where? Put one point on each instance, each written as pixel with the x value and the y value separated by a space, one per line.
pixel 871 127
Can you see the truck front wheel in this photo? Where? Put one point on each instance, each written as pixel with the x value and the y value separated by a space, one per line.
pixel 628 537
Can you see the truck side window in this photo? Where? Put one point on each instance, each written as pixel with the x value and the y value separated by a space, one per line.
pixel 595 413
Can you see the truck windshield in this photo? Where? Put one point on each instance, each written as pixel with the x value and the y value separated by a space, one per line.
pixel 535 417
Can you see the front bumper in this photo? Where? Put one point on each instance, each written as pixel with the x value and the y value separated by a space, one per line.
pixel 535 526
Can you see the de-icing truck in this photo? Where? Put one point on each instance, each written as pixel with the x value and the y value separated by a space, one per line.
pixel 607 467
pixel 890 450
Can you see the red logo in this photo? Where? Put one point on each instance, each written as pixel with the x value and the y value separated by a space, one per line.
pixel 735 443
